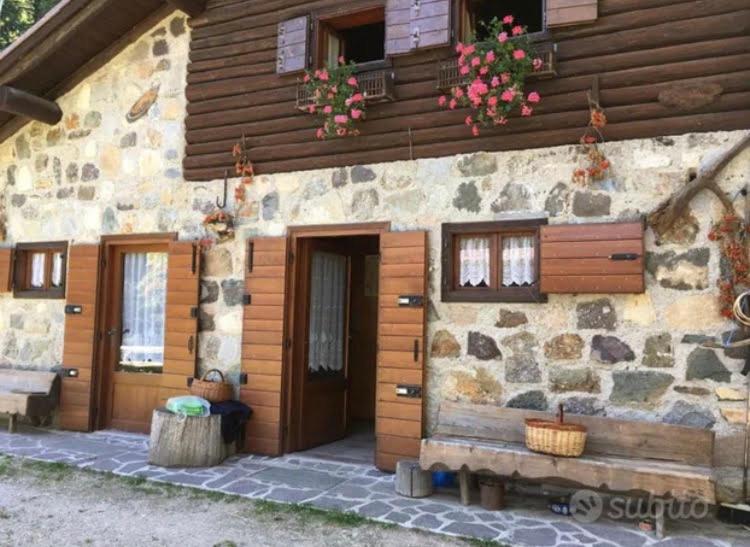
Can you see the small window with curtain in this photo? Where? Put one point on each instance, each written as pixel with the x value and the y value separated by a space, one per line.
pixel 39 270
pixel 357 37
pixel 475 16
pixel 491 261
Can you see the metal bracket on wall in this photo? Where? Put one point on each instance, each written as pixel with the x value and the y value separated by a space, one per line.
pixel 410 391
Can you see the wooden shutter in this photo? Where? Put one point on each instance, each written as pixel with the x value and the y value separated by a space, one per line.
pixel 181 319
pixel 82 289
pixel 292 45
pixel 397 27
pixel 263 342
pixel 6 270
pixel 592 258
pixel 401 343
pixel 430 24
pixel 563 13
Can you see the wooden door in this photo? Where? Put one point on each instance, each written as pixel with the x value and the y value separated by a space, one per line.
pixel 401 344
pixel 79 350
pixel 134 306
pixel 181 322
pixel 263 342
pixel 325 351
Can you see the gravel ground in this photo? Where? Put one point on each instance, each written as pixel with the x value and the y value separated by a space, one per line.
pixel 54 505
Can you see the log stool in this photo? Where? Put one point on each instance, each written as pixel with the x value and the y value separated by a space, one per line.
pixel 491 493
pixel 178 441
pixel 411 481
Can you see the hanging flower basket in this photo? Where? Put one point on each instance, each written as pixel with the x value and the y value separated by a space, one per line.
pixel 494 74
pixel 335 96
pixel 221 224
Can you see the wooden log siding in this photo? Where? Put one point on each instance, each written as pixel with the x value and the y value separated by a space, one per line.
pixel 637 48
pixel 263 342
pixel 79 339
pixel 401 344
pixel 6 270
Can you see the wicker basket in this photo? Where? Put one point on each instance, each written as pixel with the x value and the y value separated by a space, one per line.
pixel 213 392
pixel 556 438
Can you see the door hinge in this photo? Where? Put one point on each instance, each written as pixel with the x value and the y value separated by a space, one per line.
pixel 247 299
pixel 250 253
pixel 194 312
pixel 288 343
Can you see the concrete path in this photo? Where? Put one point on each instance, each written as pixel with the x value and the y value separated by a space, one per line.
pixel 361 489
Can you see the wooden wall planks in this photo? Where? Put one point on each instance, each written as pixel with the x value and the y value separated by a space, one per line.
pixel 637 47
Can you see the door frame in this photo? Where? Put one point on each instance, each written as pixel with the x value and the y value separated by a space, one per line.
pixel 295 235
pixel 101 378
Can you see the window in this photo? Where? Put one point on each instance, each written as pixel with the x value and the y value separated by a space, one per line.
pixel 357 37
pixel 39 270
pixel 475 14
pixel 491 261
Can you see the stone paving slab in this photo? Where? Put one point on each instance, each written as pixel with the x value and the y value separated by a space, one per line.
pixel 357 488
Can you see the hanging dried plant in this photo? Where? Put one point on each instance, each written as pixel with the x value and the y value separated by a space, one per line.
pixel 597 165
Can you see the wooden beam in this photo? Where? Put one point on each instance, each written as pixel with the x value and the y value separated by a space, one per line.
pixel 192 7
pixel 21 103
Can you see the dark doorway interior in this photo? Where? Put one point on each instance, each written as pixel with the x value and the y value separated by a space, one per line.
pixel 335 347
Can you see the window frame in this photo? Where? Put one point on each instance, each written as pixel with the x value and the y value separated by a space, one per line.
pixel 451 232
pixel 320 34
pixel 461 9
pixel 22 270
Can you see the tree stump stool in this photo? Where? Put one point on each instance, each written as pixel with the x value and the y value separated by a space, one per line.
pixel 178 441
pixel 491 493
pixel 411 481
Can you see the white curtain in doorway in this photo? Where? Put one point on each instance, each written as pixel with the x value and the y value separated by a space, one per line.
pixel 518 261
pixel 144 295
pixel 328 279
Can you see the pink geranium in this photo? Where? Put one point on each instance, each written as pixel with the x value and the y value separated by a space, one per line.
pixel 475 61
pixel 311 109
pixel 468 120
pixel 490 56
pixel 442 100
pixel 475 130
pixel 537 63
pixel 356 113
pixel 526 110
pixel 502 37
pixel 508 95
pixel 464 70
pixel 341 118
pixel 519 54
pixel 533 97
pixel 352 81
pixel 327 109
pixel 452 104
pixel 320 133
pixel 508 19
pixel 505 77
pixel 517 30
pixel 492 101
pixel 323 75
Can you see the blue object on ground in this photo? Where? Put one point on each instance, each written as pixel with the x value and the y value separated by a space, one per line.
pixel 443 479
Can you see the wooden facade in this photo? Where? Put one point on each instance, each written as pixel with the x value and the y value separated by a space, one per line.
pixel 637 49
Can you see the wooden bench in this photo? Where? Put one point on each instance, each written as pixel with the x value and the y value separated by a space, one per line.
pixel 665 461
pixel 28 393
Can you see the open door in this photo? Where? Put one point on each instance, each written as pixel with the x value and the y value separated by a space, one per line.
pixel 83 267
pixel 263 342
pixel 401 343
pixel 181 319
pixel 324 375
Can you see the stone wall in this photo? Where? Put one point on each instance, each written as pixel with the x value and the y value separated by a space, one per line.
pixel 634 356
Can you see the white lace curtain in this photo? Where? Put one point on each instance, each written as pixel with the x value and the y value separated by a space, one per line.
pixel 57 270
pixel 38 266
pixel 144 295
pixel 518 261
pixel 327 312
pixel 474 258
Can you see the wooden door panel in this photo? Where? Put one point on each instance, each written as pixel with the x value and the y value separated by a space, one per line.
pixel 399 420
pixel 82 286
pixel 263 342
pixel 181 321
pixel 6 270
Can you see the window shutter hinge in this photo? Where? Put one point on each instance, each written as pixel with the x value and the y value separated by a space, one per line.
pixel 288 343
pixel 194 312
pixel 247 299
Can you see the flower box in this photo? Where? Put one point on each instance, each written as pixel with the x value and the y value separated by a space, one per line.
pixel 375 85
pixel 448 76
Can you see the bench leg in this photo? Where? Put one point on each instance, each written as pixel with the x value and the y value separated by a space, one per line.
pixel 464 484
pixel 12 423
pixel 660 520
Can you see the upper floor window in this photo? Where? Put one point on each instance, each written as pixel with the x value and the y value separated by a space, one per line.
pixel 39 270
pixel 357 37
pixel 475 15
pixel 491 261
